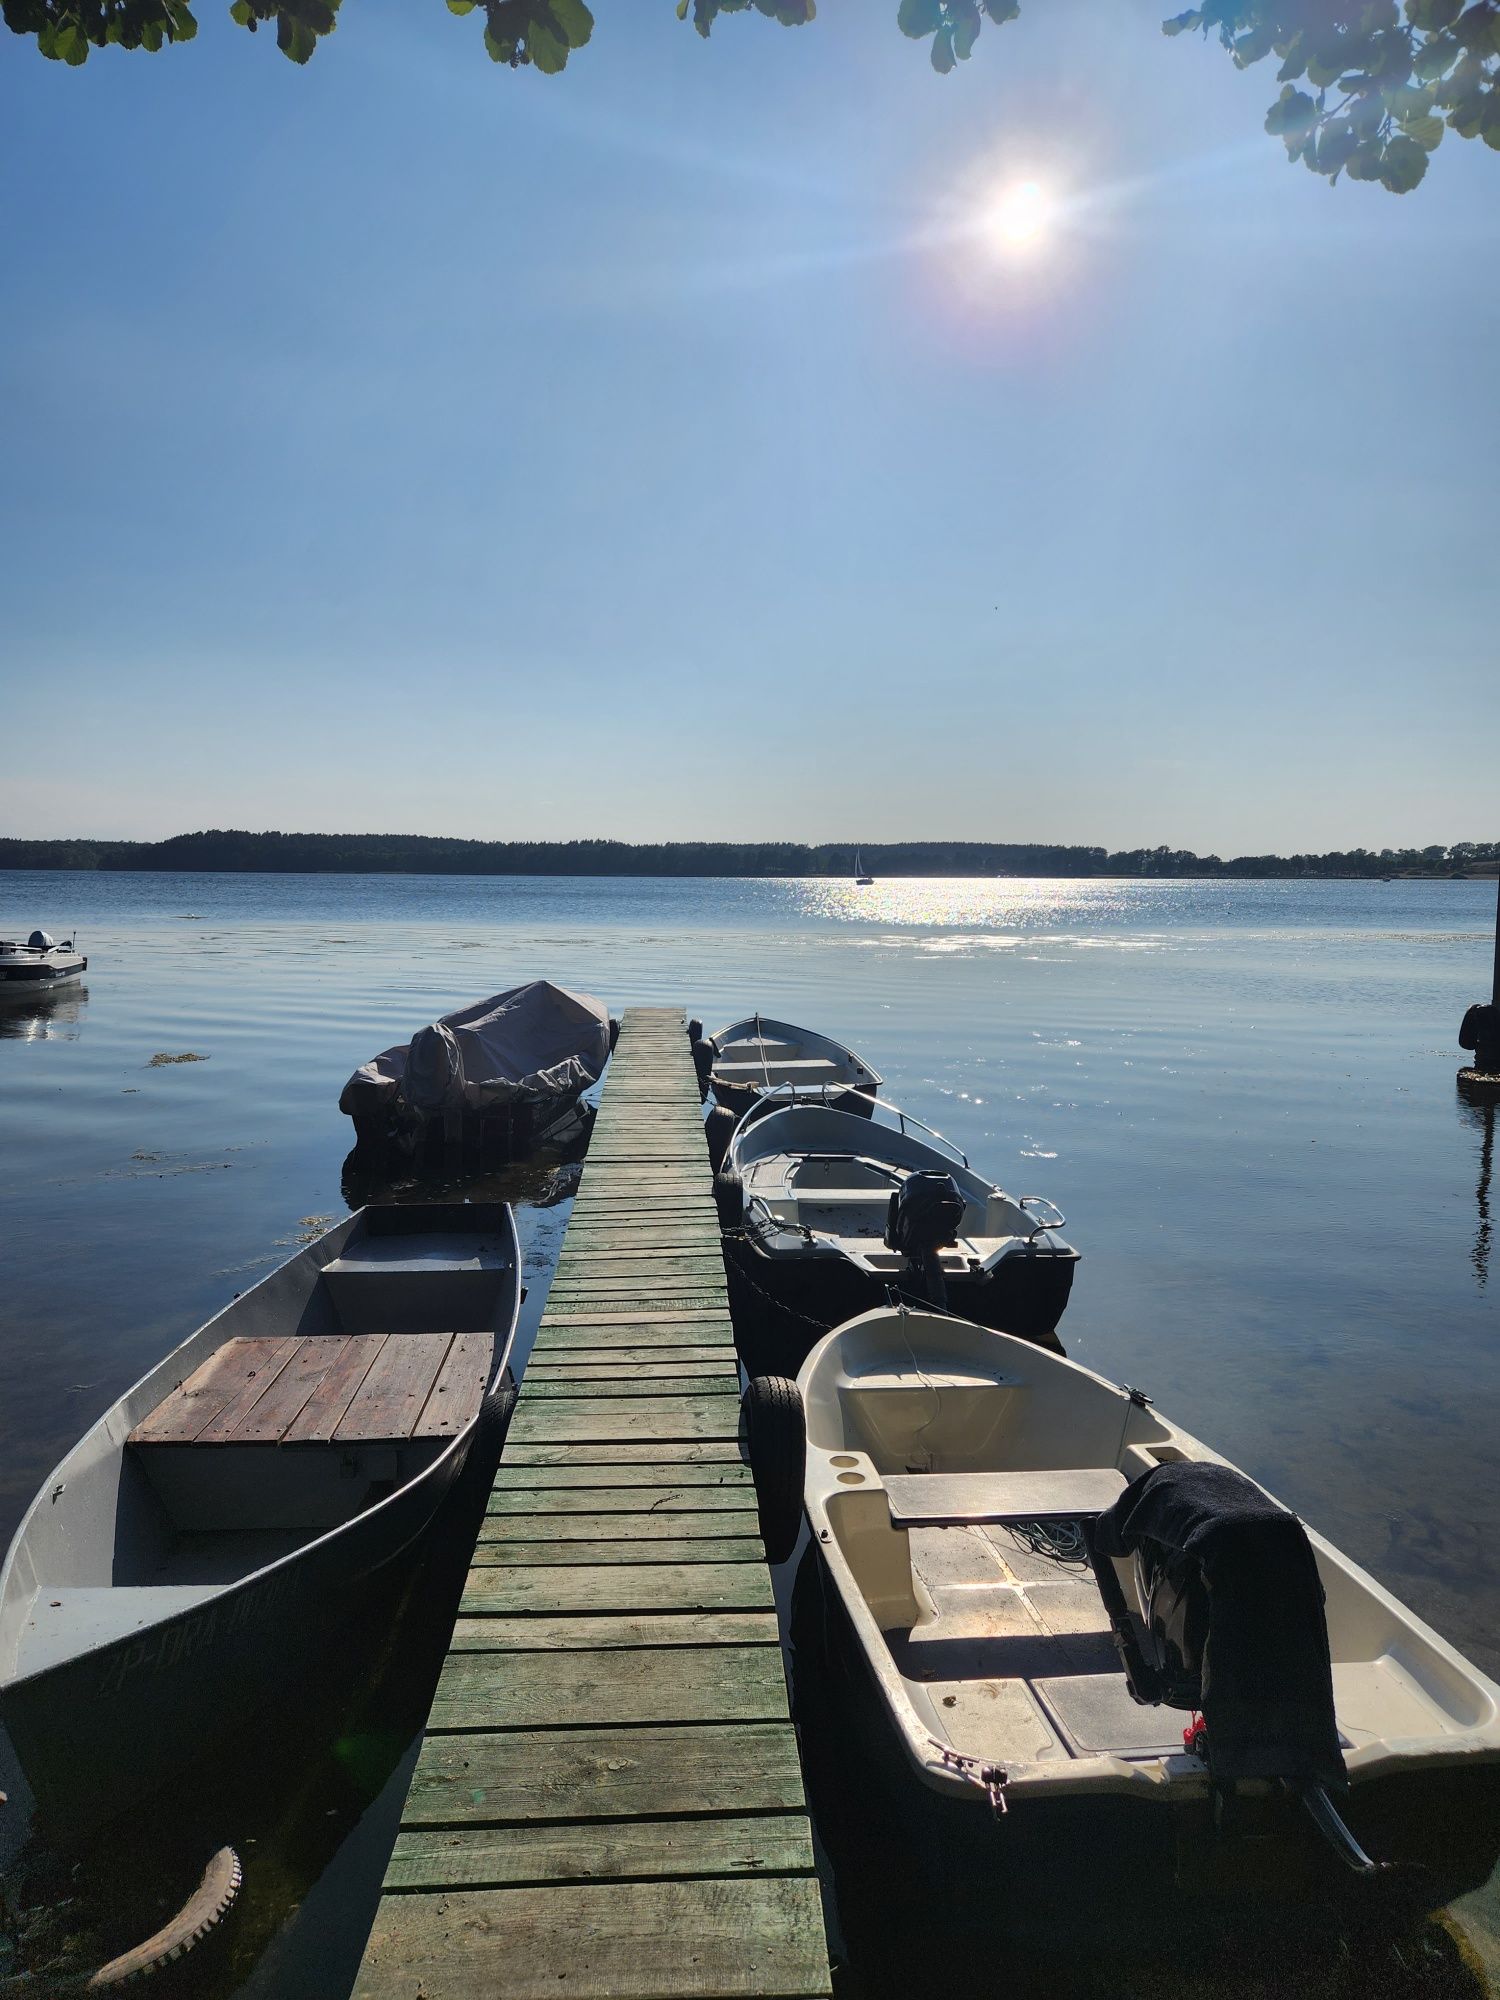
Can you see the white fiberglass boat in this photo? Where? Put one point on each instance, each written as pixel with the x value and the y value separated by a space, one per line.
pixel 1037 1568
pixel 751 1058
pixel 184 1558
pixel 40 966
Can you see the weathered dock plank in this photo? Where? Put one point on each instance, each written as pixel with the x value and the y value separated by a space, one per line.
pixel 734 1936
pixel 607 1800
pixel 628 1850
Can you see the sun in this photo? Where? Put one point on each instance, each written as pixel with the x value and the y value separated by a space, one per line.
pixel 1017 217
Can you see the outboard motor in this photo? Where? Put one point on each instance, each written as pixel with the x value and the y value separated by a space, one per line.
pixel 925 1213
pixel 1231 1623
pixel 705 1055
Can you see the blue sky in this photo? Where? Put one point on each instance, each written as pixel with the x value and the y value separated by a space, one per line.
pixel 664 449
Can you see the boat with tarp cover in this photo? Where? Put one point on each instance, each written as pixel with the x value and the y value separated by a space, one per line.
pixel 41 966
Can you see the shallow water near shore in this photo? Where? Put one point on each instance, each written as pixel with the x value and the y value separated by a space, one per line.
pixel 1242 1095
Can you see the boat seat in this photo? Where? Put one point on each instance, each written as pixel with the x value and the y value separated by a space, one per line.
pixel 783 1069
pixel 950 1498
pixel 364 1388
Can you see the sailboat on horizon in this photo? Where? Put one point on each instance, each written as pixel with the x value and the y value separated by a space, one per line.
pixel 861 879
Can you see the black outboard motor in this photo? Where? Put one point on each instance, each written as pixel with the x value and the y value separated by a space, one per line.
pixel 924 1216
pixel 1233 1626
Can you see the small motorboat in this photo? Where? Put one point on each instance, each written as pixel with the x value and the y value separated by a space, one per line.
pixel 750 1058
pixel 830 1214
pixel 497 1077
pixel 191 1551
pixel 1034 1566
pixel 40 966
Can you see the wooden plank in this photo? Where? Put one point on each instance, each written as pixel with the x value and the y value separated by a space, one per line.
pixel 324 1409
pixel 674 1364
pixel 508 1776
pixel 578 1364
pixel 637 1535
pixel 625 1419
pixel 566 1476
pixel 664 1452
pixel 458 1390
pixel 592 1327
pixel 556 1551
pixel 212 1387
pixel 557 1588
pixel 644 1261
pixel 656 1503
pixel 731 1937
pixel 713 1379
pixel 613 1688
pixel 493 1857
pixel 390 1399
pixel 286 1394
pixel 593 1632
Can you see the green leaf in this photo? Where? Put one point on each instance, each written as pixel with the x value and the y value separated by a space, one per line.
pixel 500 50
pixel 1432 16
pixel 917 18
pixel 965 27
pixel 1364 164
pixel 943 57
pixel 242 12
pixel 1324 69
pixel 575 20
pixel 294 38
pixel 1001 11
pixel 1254 47
pixel 1293 113
pixel 1403 165
pixel 1181 24
pixel 1435 58
pixel 1428 131
pixel 462 6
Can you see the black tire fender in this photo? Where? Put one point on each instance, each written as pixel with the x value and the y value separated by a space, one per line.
pixel 718 1129
pixel 773 1438
pixel 729 1198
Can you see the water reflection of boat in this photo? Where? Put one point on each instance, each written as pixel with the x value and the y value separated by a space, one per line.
pixel 493 1079
pixel 195 1547
pixel 52 1016
pixel 1025 1623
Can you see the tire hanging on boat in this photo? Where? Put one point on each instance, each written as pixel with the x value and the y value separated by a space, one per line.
pixel 718 1130
pixel 774 1437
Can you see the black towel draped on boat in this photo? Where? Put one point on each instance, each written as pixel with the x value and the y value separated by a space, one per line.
pixel 1266 1679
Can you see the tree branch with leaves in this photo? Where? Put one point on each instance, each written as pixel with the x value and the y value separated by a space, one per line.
pixel 1368 88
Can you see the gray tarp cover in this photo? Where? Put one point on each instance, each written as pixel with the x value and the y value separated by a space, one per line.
pixel 536 1043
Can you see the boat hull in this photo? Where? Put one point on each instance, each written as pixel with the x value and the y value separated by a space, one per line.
pixel 97 1733
pixel 1023 1867
pixel 782 1306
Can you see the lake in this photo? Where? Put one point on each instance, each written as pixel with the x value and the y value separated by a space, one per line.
pixel 1241 1094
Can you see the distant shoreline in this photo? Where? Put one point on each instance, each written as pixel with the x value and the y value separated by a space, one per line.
pixel 234 853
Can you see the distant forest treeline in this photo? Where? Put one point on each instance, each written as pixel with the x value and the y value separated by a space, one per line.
pixel 419 854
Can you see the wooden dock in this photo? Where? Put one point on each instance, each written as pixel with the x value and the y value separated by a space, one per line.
pixel 608 1799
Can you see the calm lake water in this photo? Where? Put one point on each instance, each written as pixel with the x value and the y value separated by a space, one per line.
pixel 1242 1095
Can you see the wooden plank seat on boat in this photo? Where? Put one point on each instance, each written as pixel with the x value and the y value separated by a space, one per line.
pixel 946 1499
pixel 363 1388
pixel 784 1069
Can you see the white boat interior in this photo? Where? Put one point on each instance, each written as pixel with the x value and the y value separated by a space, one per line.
pixel 331 1387
pixel 818 1181
pixel 762 1054
pixel 949 1471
